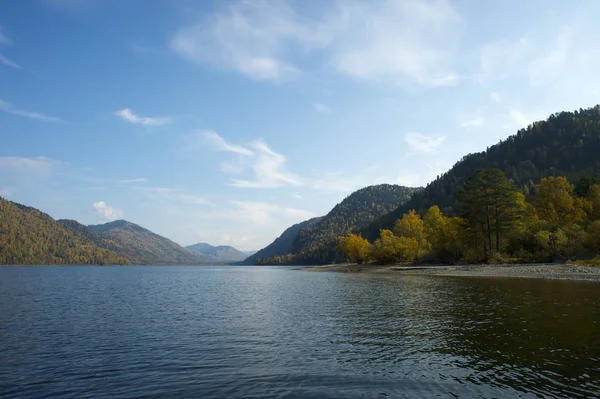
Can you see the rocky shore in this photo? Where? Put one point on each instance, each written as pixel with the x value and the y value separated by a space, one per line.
pixel 545 271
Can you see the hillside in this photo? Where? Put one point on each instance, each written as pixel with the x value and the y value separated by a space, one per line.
pixel 566 144
pixel 142 246
pixel 316 243
pixel 29 236
pixel 221 253
pixel 282 244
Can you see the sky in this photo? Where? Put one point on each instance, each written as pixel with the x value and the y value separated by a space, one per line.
pixel 228 121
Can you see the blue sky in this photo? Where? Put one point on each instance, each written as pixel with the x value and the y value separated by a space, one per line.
pixel 226 122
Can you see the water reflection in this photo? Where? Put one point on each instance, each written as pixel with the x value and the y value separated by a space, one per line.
pixel 269 332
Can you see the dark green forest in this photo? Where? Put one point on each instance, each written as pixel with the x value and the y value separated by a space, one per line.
pixel 497 224
pixel 566 144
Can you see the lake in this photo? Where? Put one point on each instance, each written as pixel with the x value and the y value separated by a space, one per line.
pixel 268 332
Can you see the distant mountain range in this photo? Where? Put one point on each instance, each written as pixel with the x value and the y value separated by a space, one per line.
pixel 221 253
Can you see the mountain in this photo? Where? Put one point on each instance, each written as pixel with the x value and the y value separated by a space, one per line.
pixel 315 242
pixel 283 244
pixel 29 236
pixel 142 246
pixel 221 253
pixel 566 144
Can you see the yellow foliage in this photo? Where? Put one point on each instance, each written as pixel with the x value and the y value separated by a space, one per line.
pixel 411 226
pixel 354 247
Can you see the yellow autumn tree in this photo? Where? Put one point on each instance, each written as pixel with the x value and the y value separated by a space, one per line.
pixel 354 247
pixel 389 248
pixel 411 226
pixel 555 204
pixel 443 234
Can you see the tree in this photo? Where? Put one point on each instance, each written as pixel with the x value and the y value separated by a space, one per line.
pixel 389 248
pixel 411 226
pixel 554 202
pixel 443 234
pixel 491 206
pixel 354 247
pixel 593 196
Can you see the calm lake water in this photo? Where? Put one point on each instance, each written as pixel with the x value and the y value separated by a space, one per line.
pixel 78 332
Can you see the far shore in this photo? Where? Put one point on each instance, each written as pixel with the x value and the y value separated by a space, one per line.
pixel 543 271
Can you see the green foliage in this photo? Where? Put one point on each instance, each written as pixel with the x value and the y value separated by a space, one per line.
pixel 272 254
pixel 354 248
pixel 28 236
pixel 491 206
pixel 567 144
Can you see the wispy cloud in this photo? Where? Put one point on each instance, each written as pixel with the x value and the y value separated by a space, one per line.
pixel 3 38
pixel 262 213
pixel 420 143
pixel 472 123
pixel 71 3
pixel 28 166
pixel 220 143
pixel 269 170
pixel 106 212
pixel 9 63
pixel 396 42
pixel 322 108
pixel 8 108
pixel 129 116
pixel 267 166
pixel 172 195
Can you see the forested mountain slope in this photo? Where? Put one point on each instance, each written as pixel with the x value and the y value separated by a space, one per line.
pixel 282 244
pixel 566 144
pixel 142 246
pixel 315 243
pixel 29 236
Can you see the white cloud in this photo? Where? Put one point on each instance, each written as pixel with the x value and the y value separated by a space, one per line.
pixel 402 41
pixel 7 192
pixel 9 63
pixel 136 180
pixel 472 123
pixel 269 170
pixel 128 115
pixel 172 195
pixel 421 143
pixel 322 108
pixel 27 166
pixel 3 39
pixel 221 144
pixel 106 212
pixel 496 97
pixel 6 107
pixel 262 213
pixel 519 118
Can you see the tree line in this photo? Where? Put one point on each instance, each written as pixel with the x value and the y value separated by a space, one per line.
pixel 495 223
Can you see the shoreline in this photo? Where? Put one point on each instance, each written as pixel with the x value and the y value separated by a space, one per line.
pixel 547 271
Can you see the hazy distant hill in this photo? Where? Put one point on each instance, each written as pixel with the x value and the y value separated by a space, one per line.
pixel 282 244
pixel 221 253
pixel 142 246
pixel 29 236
